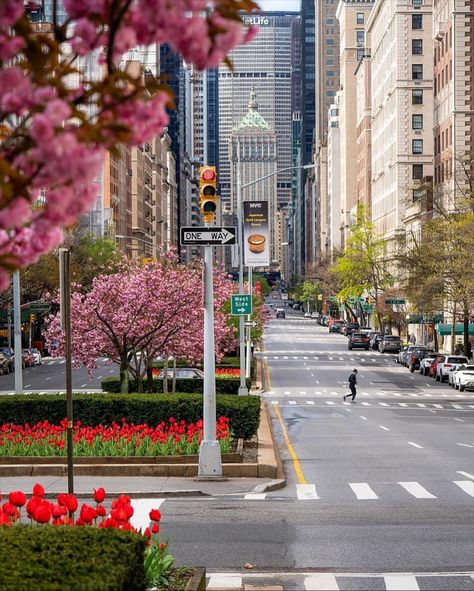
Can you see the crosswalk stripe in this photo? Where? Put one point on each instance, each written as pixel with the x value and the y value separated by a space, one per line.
pixel 403 404
pixel 418 491
pixel 330 402
pixel 255 496
pixel 396 394
pixel 292 401
pixel 438 405
pixel 466 485
pixel 384 428
pixel 401 583
pixel 456 406
pixel 466 474
pixel 286 392
pixel 415 445
pixel 471 406
pixel 321 581
pixel 303 393
pixel 142 507
pixel 275 402
pixel 306 492
pixel 310 402
pixel 421 405
pixel 413 394
pixel 362 491
pixel 383 404
pixel 221 582
pixel 366 403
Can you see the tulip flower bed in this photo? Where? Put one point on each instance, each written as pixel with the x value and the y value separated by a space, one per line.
pixel 228 372
pixel 87 557
pixel 117 439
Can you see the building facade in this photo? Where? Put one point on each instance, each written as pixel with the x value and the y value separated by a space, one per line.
pixel 253 152
pixel 334 180
pixel 364 132
pixel 263 64
pixel 453 32
pixel 402 113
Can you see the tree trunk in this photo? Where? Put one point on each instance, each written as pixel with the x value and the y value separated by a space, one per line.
pixel 173 387
pixel 123 376
pixel 165 377
pixel 467 342
pixel 453 331
pixel 149 377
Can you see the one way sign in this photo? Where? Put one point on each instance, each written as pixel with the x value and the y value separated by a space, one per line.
pixel 214 235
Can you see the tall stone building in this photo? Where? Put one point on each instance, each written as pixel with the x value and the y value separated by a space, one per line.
pixel 402 113
pixel 253 149
pixel 453 32
pixel 263 64
pixel 364 132
pixel 352 16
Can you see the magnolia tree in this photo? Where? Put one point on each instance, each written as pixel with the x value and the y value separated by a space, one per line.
pixel 140 313
pixel 58 116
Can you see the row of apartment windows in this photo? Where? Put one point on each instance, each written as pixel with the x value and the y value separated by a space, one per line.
pixel 443 140
pixel 443 77
pixel 442 46
pixel 443 171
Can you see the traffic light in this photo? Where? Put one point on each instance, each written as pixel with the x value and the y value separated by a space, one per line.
pixel 208 192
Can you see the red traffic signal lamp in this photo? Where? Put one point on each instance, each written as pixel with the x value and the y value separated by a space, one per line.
pixel 208 192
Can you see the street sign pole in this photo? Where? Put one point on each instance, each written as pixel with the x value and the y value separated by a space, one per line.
pixel 17 333
pixel 249 331
pixel 243 391
pixel 210 463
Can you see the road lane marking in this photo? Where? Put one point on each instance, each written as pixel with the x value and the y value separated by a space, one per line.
pixel 464 444
pixel 363 418
pixel 296 463
pixel 415 445
pixel 365 403
pixel 321 581
pixel 466 474
pixel 421 405
pixel 310 402
pixel 286 392
pixel 403 404
pixel 306 492
pixel 269 381
pixel 384 428
pixel 396 394
pixel 48 378
pixel 304 393
pixel 456 406
pixel 466 485
pixel 330 402
pixel 460 420
pixel 362 490
pixel 221 582
pixel 83 385
pixel 383 404
pixel 414 395
pixel 401 583
pixel 292 402
pixel 255 496
pixel 415 489
pixel 438 405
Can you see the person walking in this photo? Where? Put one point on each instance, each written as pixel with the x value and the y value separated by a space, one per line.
pixel 352 386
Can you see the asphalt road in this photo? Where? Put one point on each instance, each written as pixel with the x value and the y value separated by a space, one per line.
pixel 383 488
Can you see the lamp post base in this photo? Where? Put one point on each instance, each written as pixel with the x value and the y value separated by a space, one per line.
pixel 243 391
pixel 210 464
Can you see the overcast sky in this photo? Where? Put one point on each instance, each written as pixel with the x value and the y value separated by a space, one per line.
pixel 293 5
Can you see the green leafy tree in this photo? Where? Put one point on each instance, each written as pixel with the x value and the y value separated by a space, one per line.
pixel 363 268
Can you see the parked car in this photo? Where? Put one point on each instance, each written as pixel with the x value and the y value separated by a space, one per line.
pixel 426 362
pixel 440 357
pixel 38 360
pixel 358 339
pixel 375 340
pixel 443 367
pixel 415 357
pixel 314 315
pixel 4 364
pixel 463 377
pixel 350 327
pixel 10 355
pixel 296 306
pixel 307 314
pixel 365 330
pixel 183 373
pixel 390 344
pixel 27 356
pixel 336 325
pixel 280 313
pixel 408 351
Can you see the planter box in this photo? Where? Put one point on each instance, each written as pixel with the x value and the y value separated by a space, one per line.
pixel 197 582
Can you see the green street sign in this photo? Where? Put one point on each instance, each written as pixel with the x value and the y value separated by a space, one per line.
pixel 241 304
pixel 368 308
pixel 395 302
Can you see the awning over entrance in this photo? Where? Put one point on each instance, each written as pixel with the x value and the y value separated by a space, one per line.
pixel 446 329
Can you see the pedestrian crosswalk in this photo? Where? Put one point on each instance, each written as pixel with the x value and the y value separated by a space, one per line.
pixel 255 580
pixel 373 404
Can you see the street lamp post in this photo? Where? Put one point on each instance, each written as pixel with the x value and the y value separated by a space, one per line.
pixel 240 187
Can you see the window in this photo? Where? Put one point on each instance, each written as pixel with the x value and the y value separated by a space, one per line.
pixel 417 96
pixel 417 173
pixel 416 21
pixel 417 194
pixel 417 46
pixel 360 36
pixel 417 146
pixel 360 18
pixel 417 121
pixel 417 2
pixel 417 71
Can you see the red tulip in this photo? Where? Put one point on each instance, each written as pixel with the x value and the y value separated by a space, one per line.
pixel 71 503
pixel 119 515
pixel 100 510
pixel 43 512
pixel 99 495
pixel 32 505
pixel 147 532
pixel 87 514
pixel 155 528
pixel 62 499
pixel 38 490
pixel 155 515
pixel 17 497
pixel 4 519
pixel 57 511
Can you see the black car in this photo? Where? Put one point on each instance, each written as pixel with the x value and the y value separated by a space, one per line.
pixel 358 339
pixel 280 313
pixel 350 327
pixel 414 358
pixel 337 326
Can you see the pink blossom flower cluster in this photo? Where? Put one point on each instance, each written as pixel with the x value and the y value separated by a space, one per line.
pixel 144 312
pixel 57 120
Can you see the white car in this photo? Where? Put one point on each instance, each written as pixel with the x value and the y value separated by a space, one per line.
pixel 443 369
pixel 463 376
pixel 36 356
pixel 307 314
pixel 315 315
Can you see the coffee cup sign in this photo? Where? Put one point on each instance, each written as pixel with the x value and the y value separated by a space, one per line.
pixel 256 234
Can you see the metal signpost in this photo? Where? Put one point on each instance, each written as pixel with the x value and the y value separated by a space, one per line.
pixel 17 333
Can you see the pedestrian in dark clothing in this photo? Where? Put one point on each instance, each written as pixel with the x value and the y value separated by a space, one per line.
pixel 352 386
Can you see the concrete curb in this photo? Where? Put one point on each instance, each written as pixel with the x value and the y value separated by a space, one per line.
pixel 139 494
pixel 270 451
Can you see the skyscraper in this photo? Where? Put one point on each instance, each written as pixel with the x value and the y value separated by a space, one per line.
pixel 263 64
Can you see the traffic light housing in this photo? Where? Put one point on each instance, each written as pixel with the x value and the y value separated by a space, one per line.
pixel 208 192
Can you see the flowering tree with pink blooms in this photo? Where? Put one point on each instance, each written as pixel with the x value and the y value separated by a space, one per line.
pixel 140 313
pixel 57 121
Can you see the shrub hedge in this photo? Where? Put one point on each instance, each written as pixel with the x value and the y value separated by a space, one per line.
pixel 95 409
pixel 50 558
pixel 188 386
